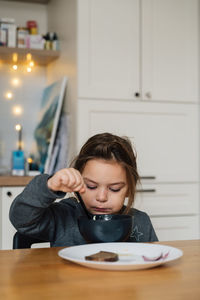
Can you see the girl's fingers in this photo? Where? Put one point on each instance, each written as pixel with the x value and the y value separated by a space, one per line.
pixel 67 180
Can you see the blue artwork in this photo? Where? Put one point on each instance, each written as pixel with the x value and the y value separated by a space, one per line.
pixel 46 129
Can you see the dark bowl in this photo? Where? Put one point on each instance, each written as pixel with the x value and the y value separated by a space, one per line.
pixel 105 228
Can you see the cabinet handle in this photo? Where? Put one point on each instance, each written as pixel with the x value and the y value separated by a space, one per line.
pixel 146 191
pixel 148 177
pixel 148 95
pixel 9 194
pixel 137 94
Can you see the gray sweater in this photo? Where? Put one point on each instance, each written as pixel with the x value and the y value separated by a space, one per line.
pixel 34 212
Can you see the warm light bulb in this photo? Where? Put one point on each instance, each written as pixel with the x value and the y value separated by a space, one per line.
pixel 28 56
pixel 17 110
pixel 18 127
pixel 15 81
pixel 31 64
pixel 29 160
pixel 29 69
pixel 15 57
pixel 9 95
pixel 15 67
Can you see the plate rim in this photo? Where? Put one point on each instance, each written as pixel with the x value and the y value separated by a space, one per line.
pixel 120 264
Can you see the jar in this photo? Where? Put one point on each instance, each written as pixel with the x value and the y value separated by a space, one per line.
pixel 22 33
pixel 32 27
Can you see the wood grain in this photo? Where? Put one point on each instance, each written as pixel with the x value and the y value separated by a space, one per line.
pixel 42 274
pixel 14 180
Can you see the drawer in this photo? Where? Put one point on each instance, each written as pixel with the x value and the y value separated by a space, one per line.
pixel 168 199
pixel 176 228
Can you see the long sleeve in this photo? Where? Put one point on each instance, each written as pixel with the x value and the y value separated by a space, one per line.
pixel 32 211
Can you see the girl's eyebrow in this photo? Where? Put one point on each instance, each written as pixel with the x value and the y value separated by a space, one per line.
pixel 111 184
pixel 87 179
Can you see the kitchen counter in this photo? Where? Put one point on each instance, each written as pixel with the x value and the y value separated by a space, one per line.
pixel 14 180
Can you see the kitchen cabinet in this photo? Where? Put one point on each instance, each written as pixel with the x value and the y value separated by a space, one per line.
pixel 165 135
pixel 7 231
pixel 173 209
pixel 138 50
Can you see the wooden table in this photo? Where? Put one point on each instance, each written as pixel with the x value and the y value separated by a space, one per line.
pixel 41 274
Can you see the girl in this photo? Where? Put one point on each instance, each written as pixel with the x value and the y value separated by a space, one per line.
pixel 104 173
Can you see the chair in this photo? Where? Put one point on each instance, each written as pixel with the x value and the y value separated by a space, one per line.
pixel 21 241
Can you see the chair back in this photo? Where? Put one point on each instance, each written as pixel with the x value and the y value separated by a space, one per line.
pixel 22 241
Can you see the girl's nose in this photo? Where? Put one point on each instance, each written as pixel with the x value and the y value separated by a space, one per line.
pixel 102 195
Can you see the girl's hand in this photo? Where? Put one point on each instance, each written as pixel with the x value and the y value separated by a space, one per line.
pixel 66 180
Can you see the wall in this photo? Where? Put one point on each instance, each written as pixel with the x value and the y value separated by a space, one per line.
pixel 62 19
pixel 27 94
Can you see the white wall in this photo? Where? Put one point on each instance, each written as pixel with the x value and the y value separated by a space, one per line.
pixel 62 18
pixel 27 94
pixel 23 12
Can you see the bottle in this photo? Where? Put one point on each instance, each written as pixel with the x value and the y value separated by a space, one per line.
pixel 54 42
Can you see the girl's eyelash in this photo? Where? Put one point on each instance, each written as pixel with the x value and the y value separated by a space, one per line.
pixel 94 187
pixel 114 190
pixel 91 187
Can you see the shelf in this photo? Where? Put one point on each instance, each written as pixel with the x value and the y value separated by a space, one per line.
pixel 41 57
pixel 32 1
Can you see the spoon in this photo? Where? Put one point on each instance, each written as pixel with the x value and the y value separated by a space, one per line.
pixel 83 204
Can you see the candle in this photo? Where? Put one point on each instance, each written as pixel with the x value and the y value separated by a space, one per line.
pixel 18 127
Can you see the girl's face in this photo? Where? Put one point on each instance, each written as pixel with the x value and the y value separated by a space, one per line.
pixel 106 186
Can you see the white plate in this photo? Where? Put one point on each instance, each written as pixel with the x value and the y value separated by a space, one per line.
pixel 130 255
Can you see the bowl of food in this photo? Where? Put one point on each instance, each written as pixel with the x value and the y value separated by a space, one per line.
pixel 105 228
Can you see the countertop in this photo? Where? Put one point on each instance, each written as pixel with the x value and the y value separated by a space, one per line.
pixel 14 180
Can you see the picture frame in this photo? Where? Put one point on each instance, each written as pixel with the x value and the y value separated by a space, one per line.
pixel 48 121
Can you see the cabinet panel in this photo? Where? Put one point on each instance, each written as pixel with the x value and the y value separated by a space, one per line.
pixel 165 135
pixel 150 47
pixel 108 52
pixel 176 228
pixel 170 50
pixel 168 199
pixel 7 230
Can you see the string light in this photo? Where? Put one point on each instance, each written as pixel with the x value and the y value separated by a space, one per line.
pixel 15 58
pixel 9 95
pixel 15 67
pixel 30 62
pixel 17 110
pixel 15 82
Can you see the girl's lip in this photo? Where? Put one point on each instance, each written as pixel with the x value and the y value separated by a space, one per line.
pixel 104 210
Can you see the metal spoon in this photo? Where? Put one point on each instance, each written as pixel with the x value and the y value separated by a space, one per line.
pixel 83 204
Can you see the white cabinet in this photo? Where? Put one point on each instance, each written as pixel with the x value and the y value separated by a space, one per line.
pixel 173 208
pixel 165 135
pixel 138 50
pixel 7 231
pixel 108 53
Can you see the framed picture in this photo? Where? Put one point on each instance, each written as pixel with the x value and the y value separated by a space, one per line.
pixel 46 130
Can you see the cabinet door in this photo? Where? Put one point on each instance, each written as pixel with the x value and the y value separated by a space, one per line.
pixel 176 228
pixel 165 135
pixel 7 230
pixel 170 50
pixel 167 199
pixel 108 48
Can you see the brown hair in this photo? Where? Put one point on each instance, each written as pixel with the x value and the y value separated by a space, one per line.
pixel 111 147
